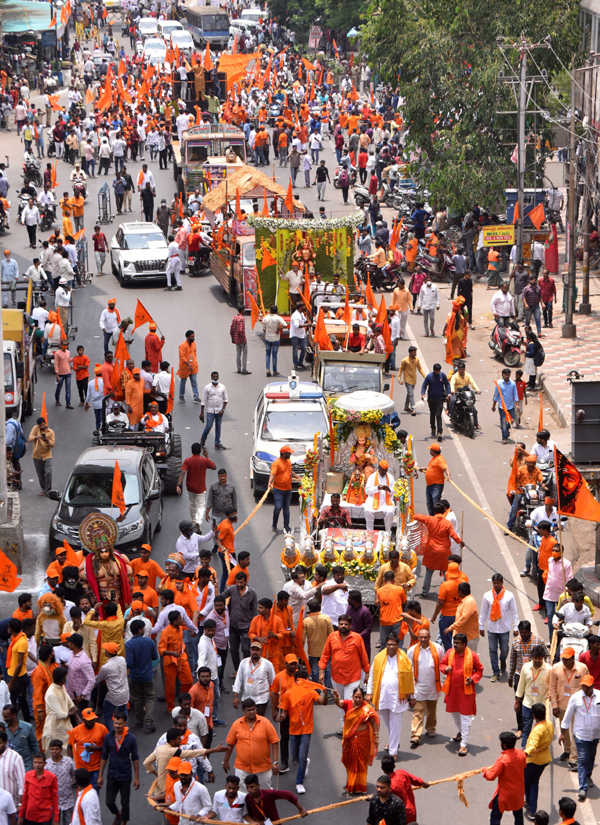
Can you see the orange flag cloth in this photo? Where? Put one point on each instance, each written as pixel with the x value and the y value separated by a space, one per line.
pixel 9 581
pixel 43 413
pixel 573 496
pixel 117 498
pixel 171 399
pixel 267 259
pixel 320 336
pixel 369 294
pixel 141 316
pixel 538 215
pixel 254 310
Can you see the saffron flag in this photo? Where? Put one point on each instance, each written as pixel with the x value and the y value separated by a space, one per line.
pixel 9 581
pixel 79 234
pixel 506 412
pixel 141 315
pixel 267 259
pixel 122 68
pixel 387 336
pixel 254 310
pixel 89 96
pixel 238 208
pixel 43 413
pixel 121 351
pixel 298 643
pixel 511 486
pixel 541 418
pixel 320 337
pixel 289 198
pixel 171 399
pixel 347 316
pixel 53 22
pixel 573 496
pixel 382 312
pixel 369 295
pixel 117 498
pixel 516 213
pixel 208 64
pixel 306 296
pixel 265 211
pixel 538 215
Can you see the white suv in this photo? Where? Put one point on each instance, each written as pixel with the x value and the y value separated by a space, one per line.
pixel 138 252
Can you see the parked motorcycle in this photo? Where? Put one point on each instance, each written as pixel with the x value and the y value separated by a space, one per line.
pixel 361 196
pixel 505 343
pixel 432 266
pixel 464 411
pixel 51 148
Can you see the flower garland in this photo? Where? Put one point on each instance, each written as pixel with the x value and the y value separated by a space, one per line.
pixel 402 493
pixel 306 224
pixel 288 561
pixel 311 459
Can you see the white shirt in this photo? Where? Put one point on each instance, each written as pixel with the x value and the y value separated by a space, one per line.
pixel 503 304
pixel 214 397
pixel 208 657
pixel 585 713
pixel 429 297
pixel 254 681
pixel 388 693
pixel 210 602
pixel 7 806
pixel 544 454
pixel 161 427
pixel 189 549
pixel 299 595
pixel 12 774
pixel 196 801
pixel 226 812
pixel 538 252
pixel 298 318
pixel 148 629
pixel 196 721
pixel 569 613
pixel 90 808
pixel 425 689
pixel 334 604
pixel 540 514
pixel 162 382
pixel 451 517
pixel 373 482
pixel 62 298
pixel 508 607
pixel 294 279
pixel 109 321
pixel 395 326
pixel 30 216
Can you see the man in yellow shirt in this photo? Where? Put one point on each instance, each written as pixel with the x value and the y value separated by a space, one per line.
pixel 16 658
pixel 538 754
pixel 460 379
pixel 407 374
pixel 403 575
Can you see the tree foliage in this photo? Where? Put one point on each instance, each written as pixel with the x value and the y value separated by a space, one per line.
pixel 445 61
pixel 339 15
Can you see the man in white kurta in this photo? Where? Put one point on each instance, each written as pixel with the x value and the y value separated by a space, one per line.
pixel 87 804
pixel 59 710
pixel 191 797
pixel 378 490
pixel 389 705
pixel 427 679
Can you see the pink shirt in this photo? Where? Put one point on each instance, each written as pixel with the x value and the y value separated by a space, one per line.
pixel 555 583
pixel 63 361
pixel 181 238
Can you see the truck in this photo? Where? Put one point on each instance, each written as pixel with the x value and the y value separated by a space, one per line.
pixel 339 372
pixel 19 364
pixel 207 154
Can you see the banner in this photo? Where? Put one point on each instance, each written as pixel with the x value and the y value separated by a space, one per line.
pixel 573 496
pixel 502 235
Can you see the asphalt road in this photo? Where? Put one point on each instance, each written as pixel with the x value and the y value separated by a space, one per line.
pixel 479 467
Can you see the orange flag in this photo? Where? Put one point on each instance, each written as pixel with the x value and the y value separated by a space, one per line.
pixel 382 313
pixel 267 259
pixel 208 64
pixel 105 13
pixel 541 418
pixel 573 496
pixel 117 498
pixel 347 316
pixel 53 22
pixel 308 65
pixel 238 208
pixel 89 96
pixel 198 116
pixel 43 413
pixel 265 212
pixel 121 351
pixel 306 296
pixel 115 381
pixel 298 643
pixel 234 47
pixel 289 198
pixel 516 213
pixel 122 68
pixel 171 399
pixel 538 215
pixel 254 310
pixel 79 234
pixel 506 412
pixel 9 581
pixel 387 336
pixel 320 336
pixel 369 295
pixel 512 479
pixel 141 315
pixel 53 176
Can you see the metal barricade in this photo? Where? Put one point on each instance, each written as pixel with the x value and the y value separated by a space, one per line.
pixel 82 260
pixel 104 205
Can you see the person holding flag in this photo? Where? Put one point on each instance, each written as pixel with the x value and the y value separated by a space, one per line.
pixel 506 393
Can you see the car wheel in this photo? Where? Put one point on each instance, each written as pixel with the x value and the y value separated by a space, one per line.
pixel 158 527
pixel 120 277
pixel 172 475
pixel 176 448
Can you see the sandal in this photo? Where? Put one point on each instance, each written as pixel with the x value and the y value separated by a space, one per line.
pixel 457 738
pixel 462 752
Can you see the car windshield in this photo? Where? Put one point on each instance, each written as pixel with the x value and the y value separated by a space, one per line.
pixel 181 37
pixel 9 382
pixel 350 377
pixel 296 425
pixel 144 240
pixel 249 255
pixel 171 25
pixel 95 489
pixel 197 152
pixel 215 22
pixel 149 25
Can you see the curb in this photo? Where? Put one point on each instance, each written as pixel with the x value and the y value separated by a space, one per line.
pixel 591 585
pixel 548 387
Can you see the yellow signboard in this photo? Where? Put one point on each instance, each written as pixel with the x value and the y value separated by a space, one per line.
pixel 502 235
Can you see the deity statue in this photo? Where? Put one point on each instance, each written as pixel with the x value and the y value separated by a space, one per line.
pixel 105 573
pixel 305 256
pixel 361 455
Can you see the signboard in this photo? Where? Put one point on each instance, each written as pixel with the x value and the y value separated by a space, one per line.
pixel 49 39
pixel 503 235
pixel 316 32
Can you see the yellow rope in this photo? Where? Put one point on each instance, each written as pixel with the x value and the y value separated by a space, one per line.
pixel 252 514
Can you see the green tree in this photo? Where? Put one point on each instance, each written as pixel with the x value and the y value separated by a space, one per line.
pixel 445 61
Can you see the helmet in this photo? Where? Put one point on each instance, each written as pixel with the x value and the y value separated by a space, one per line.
pixel 185 525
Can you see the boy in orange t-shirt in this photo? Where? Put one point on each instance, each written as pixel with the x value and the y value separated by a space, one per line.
pixel 82 374
pixel 391 598
pixel 225 539
pixel 146 563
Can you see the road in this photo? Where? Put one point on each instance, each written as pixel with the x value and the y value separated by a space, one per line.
pixel 479 467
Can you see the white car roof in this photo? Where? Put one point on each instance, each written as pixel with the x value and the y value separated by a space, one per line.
pixel 140 227
pixel 155 43
pixel 181 34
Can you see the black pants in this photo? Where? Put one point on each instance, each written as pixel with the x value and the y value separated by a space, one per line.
pixel 344 193
pixel 119 200
pixel 148 213
pixel 32 232
pixel 284 741
pixel 435 414
pixel 18 695
pixel 222 655
pixel 518 713
pixel 82 385
pixel 162 159
pixel 547 307
pixel 455 280
pixel 363 175
pixel 113 788
pixel 104 164
pixel 238 636
pixel 469 306
pixel 496 816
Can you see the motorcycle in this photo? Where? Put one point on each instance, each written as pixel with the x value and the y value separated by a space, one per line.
pixel 47 360
pixel 361 196
pixel 47 216
pixel 351 175
pixel 387 280
pixel 3 222
pixel 23 202
pixel 274 111
pixel 547 470
pixel 51 150
pixel 431 264
pixel 79 189
pixel 505 343
pixel 31 172
pixel 464 411
pixel 575 635
pixel 531 497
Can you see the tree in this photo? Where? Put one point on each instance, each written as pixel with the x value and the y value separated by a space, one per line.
pixel 445 61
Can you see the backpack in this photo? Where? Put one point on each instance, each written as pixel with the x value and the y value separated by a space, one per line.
pixel 344 178
pixel 20 446
pixel 539 357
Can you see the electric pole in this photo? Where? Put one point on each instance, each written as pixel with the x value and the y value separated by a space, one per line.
pixel 569 329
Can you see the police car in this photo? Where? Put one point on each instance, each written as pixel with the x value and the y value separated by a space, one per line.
pixel 287 412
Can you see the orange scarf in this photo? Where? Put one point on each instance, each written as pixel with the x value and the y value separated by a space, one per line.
pixel 468 671
pixel 204 598
pixel 10 647
pixel 388 498
pixel 496 612
pixel 436 664
pixel 568 821
pixel 116 311
pixel 151 422
pixel 79 801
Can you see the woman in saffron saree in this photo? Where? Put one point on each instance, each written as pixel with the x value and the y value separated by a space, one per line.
pixel 360 740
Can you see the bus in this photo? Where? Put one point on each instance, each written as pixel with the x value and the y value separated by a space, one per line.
pixel 208 24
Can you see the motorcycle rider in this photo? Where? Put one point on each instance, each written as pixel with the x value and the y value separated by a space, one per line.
pixel 378 258
pixel 459 381
pixel 543 448
pixel 503 305
pixel 47 204
pixel 78 179
pixel 527 474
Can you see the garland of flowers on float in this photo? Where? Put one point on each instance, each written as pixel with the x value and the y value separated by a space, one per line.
pixel 345 422
pixel 306 224
pixel 356 567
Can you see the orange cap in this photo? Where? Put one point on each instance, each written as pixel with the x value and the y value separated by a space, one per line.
pixel 285 449
pixel 291 657
pixel 137 605
pixel 453 570
pixel 111 647
pixel 384 464
pixel 60 550
pixel 567 653
pixel 88 714
pixel 185 767
pixel 174 763
pixel 436 448
pixel 588 680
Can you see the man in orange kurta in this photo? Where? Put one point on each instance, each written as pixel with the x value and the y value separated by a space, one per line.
pixel 270 634
pixel 437 549
pixel 134 398
pixel 41 679
pixel 285 613
pixel 188 365
pixel 154 346
pixel 509 770
pixel 175 667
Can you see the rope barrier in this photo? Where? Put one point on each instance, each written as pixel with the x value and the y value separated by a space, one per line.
pixel 459 778
pixel 253 513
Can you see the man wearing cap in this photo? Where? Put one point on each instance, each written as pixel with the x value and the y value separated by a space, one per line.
pixel 114 673
pixel 437 549
pixel 188 544
pixel 81 678
pixel 280 483
pixel 191 797
pixel 436 474
pixel 380 500
pixel 153 346
pixel 565 682
pixel 254 679
pixel 583 713
pixel 448 601
pixel 85 744
pixel 529 473
pixel 151 567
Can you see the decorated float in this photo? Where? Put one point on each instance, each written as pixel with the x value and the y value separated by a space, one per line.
pixel 341 461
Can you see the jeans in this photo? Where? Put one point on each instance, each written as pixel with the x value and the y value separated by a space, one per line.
pixel 108 336
pixel 118 163
pixel 299 745
pixel 586 754
pixel 427 580
pixel 504 425
pixel 294 172
pixel 66 380
pixel 217 420
pixel 109 708
pixel 533 774
pixel 113 788
pixel 433 493
pixel 409 403
pixel 193 381
pixel 435 415
pixel 527 716
pixel 98 417
pixel 495 639
pixel 298 344
pixel 514 509
pixel 536 314
pixel 314 670
pixel 271 352
pixel 444 622
pixel 238 636
pixel 282 499
pixel 550 611
pixel 547 311
pixel 496 816
pixel 385 630
pixel 191 648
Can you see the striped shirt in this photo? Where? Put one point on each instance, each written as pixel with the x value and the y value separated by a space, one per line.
pixel 12 774
pixel 521 653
